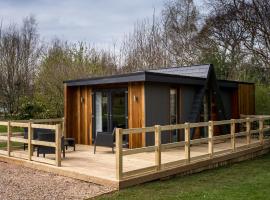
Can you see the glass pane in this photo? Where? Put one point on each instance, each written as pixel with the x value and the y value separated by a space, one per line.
pixel 101 112
pixel 118 110
pixel 173 106
pixel 98 112
pixel 105 114
pixel 173 113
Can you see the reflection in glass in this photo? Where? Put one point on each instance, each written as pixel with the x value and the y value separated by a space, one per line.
pixel 101 112
pixel 118 110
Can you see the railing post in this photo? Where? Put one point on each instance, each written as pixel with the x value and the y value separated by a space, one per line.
pixel 233 134
pixel 210 138
pixel 248 130
pixel 8 138
pixel 261 137
pixel 63 127
pixel 119 153
pixel 30 137
pixel 158 147
pixel 187 142
pixel 58 145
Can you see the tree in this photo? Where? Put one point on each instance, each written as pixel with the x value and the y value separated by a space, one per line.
pixel 19 54
pixel 180 21
pixel 241 29
pixel 163 41
pixel 64 61
pixel 143 49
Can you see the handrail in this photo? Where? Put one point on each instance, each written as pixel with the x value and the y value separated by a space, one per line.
pixel 210 141
pixel 30 125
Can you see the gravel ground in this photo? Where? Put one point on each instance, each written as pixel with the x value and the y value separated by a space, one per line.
pixel 17 182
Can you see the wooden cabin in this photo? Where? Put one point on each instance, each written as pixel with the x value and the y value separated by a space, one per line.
pixel 153 97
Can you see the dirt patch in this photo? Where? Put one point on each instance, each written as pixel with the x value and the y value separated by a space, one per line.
pixel 18 182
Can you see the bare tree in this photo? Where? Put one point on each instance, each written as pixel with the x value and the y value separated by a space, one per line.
pixel 242 27
pixel 143 49
pixel 19 53
pixel 180 21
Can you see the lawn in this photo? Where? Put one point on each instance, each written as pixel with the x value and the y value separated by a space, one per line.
pixel 13 144
pixel 246 180
pixel 3 129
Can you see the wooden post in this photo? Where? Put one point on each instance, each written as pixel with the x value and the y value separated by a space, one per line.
pixel 261 136
pixel 119 152
pixel 210 138
pixel 187 142
pixel 30 137
pixel 8 138
pixel 158 147
pixel 233 134
pixel 58 145
pixel 248 130
pixel 63 127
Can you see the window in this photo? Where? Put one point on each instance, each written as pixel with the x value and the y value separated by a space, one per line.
pixel 173 106
pixel 173 114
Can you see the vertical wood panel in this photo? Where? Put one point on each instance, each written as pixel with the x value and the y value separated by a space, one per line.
pixel 143 114
pixel 78 114
pixel 235 105
pixel 89 114
pixel 66 116
pixel 136 114
pixel 246 99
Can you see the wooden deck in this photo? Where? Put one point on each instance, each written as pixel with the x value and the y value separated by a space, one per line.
pixel 100 168
pixel 129 167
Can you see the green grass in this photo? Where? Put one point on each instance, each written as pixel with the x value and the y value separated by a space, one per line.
pixel 246 180
pixel 14 144
pixel 3 129
pixel 3 144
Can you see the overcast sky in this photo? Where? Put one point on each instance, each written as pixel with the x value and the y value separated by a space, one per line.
pixel 99 22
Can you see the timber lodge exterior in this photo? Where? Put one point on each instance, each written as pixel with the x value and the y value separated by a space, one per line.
pixel 146 98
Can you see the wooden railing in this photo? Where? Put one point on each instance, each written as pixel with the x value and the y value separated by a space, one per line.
pixel 247 123
pixel 30 125
pixel 51 121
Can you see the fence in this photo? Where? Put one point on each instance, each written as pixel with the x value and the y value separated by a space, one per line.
pixel 253 125
pixel 31 125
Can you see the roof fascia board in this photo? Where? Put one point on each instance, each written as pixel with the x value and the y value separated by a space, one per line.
pixel 136 77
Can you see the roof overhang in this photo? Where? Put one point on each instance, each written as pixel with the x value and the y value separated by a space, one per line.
pixel 150 76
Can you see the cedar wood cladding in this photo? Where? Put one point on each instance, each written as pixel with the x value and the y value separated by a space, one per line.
pixel 144 110
pixel 78 114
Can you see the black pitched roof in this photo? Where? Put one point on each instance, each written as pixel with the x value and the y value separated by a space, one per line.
pixel 200 71
pixel 191 75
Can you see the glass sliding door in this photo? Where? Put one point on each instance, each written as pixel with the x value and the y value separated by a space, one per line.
pixel 118 109
pixel 110 110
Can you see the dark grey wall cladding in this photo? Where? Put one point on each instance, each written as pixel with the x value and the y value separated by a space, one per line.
pixel 226 95
pixel 157 109
pixel 186 98
pixel 185 105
